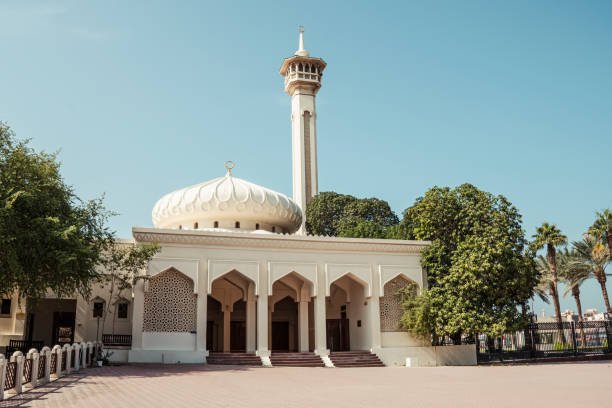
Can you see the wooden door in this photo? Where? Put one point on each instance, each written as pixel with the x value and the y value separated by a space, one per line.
pixel 237 336
pixel 280 336
pixel 338 335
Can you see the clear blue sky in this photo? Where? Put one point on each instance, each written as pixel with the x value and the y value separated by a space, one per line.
pixel 142 98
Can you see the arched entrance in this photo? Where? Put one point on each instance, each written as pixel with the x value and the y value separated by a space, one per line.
pixel 285 325
pixel 231 314
pixel 347 317
pixel 291 323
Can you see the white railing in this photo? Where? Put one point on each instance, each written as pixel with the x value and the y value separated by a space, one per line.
pixel 21 372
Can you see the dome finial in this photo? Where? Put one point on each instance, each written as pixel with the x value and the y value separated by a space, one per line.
pixel 301 51
pixel 229 165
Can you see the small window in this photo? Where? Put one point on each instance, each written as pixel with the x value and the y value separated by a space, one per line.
pixel 122 311
pixel 195 225
pixel 256 226
pixel 5 308
pixel 273 229
pixel 237 224
pixel 216 224
pixel 98 309
pixel 180 227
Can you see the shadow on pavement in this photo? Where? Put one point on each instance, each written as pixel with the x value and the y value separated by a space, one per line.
pixel 42 391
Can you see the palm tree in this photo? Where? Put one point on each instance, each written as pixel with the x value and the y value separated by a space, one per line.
pixel 574 272
pixel 594 256
pixel 547 286
pixel 602 228
pixel 549 236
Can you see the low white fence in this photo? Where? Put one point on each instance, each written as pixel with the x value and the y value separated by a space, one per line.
pixel 21 372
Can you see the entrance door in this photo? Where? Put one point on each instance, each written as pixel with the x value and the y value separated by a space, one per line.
pixel 338 335
pixel 280 336
pixel 237 336
pixel 63 327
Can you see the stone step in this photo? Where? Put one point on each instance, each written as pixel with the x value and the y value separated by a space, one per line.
pixel 233 359
pixel 355 359
pixel 296 359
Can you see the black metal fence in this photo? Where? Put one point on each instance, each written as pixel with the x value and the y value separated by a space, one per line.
pixel 117 339
pixel 11 375
pixel 27 370
pixel 21 345
pixel 42 365
pixel 547 340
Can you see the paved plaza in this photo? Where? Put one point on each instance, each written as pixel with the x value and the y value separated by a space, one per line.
pixel 560 385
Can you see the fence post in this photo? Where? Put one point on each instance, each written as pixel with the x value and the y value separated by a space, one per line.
pixel 33 354
pixel 67 349
pixel 573 331
pixel 58 360
pixel 2 375
pixel 45 353
pixel 17 357
pixel 76 347
pixel 83 354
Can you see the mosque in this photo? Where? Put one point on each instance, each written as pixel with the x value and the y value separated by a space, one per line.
pixel 238 280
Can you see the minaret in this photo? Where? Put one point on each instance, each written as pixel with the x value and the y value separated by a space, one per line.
pixel 302 82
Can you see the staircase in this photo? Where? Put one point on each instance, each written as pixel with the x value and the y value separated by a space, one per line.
pixel 248 359
pixel 355 359
pixel 287 359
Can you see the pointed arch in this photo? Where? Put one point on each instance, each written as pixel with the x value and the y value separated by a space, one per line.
pixel 219 268
pixel 305 271
pixel 361 273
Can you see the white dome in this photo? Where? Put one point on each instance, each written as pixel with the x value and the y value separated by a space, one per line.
pixel 227 203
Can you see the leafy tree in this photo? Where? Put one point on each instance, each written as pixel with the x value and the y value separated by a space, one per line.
pixel 594 256
pixel 479 273
pixel 550 237
pixel 49 238
pixel 123 265
pixel 602 228
pixel 334 214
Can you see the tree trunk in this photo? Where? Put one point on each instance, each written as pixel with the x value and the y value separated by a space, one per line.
pixel 555 297
pixel 576 295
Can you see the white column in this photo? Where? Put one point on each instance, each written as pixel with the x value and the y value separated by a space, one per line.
pixel 137 315
pixel 320 325
pixel 262 325
pixel 202 311
pixel 303 325
pixel 201 317
pixel 251 329
pixel 374 322
pixel 227 315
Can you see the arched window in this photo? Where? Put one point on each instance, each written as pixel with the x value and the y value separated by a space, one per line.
pixel 216 224
pixel 237 225
pixel 122 310
pixel 273 229
pixel 180 227
pixel 195 225
pixel 300 67
pixel 256 226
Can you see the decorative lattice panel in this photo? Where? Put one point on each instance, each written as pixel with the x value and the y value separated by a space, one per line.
pixel 170 304
pixel 390 305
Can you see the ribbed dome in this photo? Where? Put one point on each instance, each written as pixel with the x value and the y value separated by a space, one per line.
pixel 227 203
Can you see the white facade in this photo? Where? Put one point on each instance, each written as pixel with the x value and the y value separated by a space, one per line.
pixel 319 274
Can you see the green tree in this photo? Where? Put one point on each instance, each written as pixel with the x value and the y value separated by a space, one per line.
pixel 594 256
pixel 123 267
pixel 550 237
pixel 479 274
pixel 334 214
pixel 49 238
pixel 602 228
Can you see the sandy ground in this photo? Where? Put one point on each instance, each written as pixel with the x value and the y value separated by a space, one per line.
pixel 545 385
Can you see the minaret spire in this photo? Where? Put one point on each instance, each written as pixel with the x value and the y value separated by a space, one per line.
pixel 301 51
